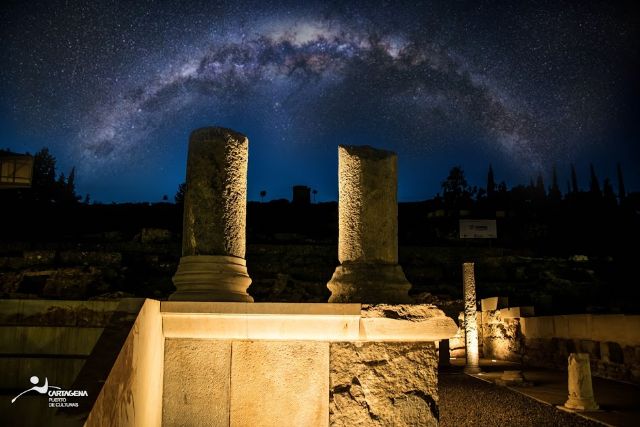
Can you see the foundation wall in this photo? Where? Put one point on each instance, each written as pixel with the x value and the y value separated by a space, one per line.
pixel 240 364
pixel 301 364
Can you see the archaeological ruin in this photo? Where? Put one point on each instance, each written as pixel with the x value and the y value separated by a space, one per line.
pixel 367 354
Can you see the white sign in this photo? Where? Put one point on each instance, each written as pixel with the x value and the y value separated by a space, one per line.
pixel 478 229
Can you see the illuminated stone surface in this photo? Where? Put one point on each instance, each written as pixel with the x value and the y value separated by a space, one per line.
pixel 212 267
pixel 501 337
pixel 383 384
pixel 279 384
pixel 132 392
pixel 303 322
pixel 196 382
pixel 275 364
pixel 405 322
pixel 512 378
pixel 580 388
pixel 368 229
pixel 470 319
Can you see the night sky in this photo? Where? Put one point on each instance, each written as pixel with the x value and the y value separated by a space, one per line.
pixel 115 87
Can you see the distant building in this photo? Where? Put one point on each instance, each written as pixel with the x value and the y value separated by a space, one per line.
pixel 301 195
pixel 16 170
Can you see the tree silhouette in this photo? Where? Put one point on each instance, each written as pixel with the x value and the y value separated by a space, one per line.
pixel 594 185
pixel 608 194
pixel 71 181
pixel 491 184
pixel 539 190
pixel 45 186
pixel 455 188
pixel 621 190
pixel 263 193
pixel 315 192
pixel 574 180
pixel 554 190
pixel 179 197
pixel 44 175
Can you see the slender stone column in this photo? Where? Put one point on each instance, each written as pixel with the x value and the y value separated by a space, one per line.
pixel 368 229
pixel 580 388
pixel 212 267
pixel 470 321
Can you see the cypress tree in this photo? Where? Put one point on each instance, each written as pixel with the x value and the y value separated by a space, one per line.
pixel 594 185
pixel 554 191
pixel 574 180
pixel 621 190
pixel 491 184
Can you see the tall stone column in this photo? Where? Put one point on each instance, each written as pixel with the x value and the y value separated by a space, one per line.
pixel 368 229
pixel 470 321
pixel 580 388
pixel 212 267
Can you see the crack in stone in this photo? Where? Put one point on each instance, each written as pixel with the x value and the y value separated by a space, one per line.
pixel 431 403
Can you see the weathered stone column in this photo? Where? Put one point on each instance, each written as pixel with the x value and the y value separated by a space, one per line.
pixel 470 320
pixel 212 267
pixel 580 388
pixel 368 229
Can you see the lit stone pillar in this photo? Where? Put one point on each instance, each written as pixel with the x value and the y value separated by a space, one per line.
pixel 212 267
pixel 580 389
pixel 470 320
pixel 368 229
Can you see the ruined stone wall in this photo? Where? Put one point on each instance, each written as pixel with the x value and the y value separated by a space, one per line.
pixel 501 337
pixel 612 341
pixel 373 384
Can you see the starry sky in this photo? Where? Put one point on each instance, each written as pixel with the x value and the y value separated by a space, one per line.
pixel 115 87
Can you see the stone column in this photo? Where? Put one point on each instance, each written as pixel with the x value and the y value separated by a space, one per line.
pixel 368 229
pixel 470 320
pixel 212 267
pixel 580 389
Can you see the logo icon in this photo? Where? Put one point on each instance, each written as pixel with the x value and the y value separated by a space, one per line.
pixel 40 389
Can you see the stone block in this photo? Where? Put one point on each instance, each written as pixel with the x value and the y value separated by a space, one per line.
pixel 279 384
pixel 516 312
pixel 493 303
pixel 196 382
pixel 383 384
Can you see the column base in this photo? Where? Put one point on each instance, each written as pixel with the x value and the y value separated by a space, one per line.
pixel 579 404
pixel 369 284
pixel 211 278
pixel 472 369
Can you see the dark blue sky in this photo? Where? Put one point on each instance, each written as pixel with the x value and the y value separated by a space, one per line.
pixel 114 89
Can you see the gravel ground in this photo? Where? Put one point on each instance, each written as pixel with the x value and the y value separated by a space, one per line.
pixel 467 401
